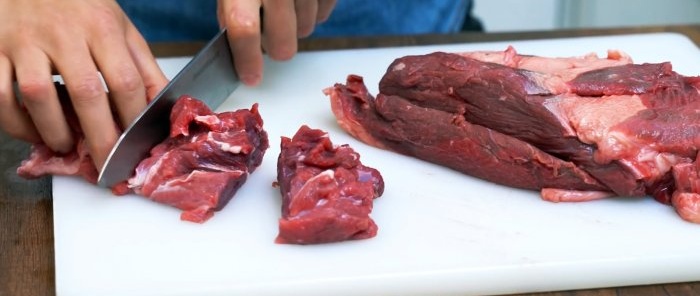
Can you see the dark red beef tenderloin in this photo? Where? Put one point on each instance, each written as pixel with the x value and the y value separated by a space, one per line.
pixel 327 193
pixel 584 127
pixel 392 123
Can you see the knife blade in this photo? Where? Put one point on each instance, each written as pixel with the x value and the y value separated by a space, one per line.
pixel 209 76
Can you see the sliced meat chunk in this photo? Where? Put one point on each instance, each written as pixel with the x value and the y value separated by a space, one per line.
pixel 204 161
pixel 327 193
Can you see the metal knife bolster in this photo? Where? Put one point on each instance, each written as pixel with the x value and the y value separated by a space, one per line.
pixel 209 77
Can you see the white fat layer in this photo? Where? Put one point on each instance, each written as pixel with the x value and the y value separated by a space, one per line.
pixel 554 107
pixel 649 163
pixel 325 174
pixel 208 119
pixel 566 195
pixel 174 184
pixel 235 149
pixel 224 146
pixel 591 119
pixel 144 175
pixel 216 167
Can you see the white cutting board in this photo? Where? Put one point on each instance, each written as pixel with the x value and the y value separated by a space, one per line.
pixel 440 232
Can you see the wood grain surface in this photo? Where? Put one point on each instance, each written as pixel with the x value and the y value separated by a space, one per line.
pixel 26 213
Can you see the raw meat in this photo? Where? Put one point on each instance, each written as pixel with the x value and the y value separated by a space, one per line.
pixel 197 169
pixel 43 161
pixel 204 161
pixel 327 193
pixel 574 128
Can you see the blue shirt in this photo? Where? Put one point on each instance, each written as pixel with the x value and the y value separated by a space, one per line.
pixel 195 20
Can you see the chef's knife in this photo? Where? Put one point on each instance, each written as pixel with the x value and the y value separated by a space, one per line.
pixel 209 76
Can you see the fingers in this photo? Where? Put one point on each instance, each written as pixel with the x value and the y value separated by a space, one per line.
pixel 280 29
pixel 284 22
pixel 153 78
pixel 126 88
pixel 89 99
pixel 33 72
pixel 325 7
pixel 13 119
pixel 306 11
pixel 242 20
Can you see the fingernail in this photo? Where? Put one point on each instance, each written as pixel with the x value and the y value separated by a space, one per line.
pixel 250 79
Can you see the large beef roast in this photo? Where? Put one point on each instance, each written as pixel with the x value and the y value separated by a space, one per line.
pixel 327 193
pixel 574 128
pixel 204 161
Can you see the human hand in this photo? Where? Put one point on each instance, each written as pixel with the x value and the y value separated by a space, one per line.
pixel 283 23
pixel 76 39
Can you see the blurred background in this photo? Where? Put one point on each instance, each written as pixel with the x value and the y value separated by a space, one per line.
pixel 533 15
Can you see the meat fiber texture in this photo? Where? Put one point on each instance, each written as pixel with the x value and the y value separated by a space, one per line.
pixel 197 169
pixel 576 129
pixel 327 193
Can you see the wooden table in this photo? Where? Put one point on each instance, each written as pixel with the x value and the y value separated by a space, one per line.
pixel 26 213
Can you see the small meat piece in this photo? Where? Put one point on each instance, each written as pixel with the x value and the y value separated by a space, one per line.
pixel 43 161
pixel 204 161
pixel 576 129
pixel 327 193
pixel 686 198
